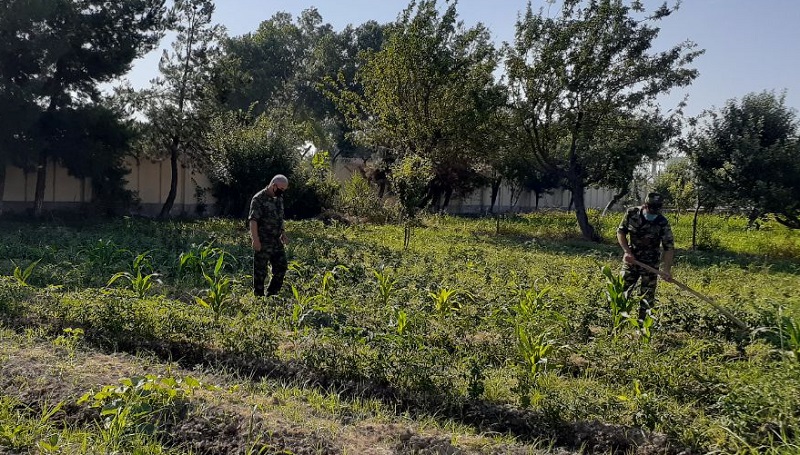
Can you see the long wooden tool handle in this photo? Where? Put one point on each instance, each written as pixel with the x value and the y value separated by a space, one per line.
pixel 703 297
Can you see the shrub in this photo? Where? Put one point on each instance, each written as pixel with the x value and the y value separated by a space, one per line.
pixel 358 198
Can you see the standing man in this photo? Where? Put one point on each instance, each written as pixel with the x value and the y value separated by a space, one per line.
pixel 649 230
pixel 269 237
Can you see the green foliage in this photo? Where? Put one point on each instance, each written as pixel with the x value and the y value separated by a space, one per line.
pixel 624 307
pixel 20 432
pixel 144 404
pixel 103 253
pixel 578 96
pixel 70 340
pixel 140 282
pixel 178 106
pixel 443 303
pixel 52 60
pixel 219 290
pixel 678 184
pixel 314 188
pixel 409 179
pixel 428 91
pixel 386 286
pixel 282 64
pixel 21 275
pixel 534 329
pixel 748 153
pixel 789 332
pixel 358 198
pixel 201 257
pixel 534 350
pixel 238 142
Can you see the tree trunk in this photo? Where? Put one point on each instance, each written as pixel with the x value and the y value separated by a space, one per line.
pixel 615 199
pixel 173 183
pixel 495 192
pixel 537 196
pixel 448 193
pixel 41 182
pixel 580 212
pixel 694 224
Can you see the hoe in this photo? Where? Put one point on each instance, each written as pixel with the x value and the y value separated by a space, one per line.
pixel 739 323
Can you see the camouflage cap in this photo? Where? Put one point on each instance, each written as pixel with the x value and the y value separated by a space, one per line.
pixel 654 201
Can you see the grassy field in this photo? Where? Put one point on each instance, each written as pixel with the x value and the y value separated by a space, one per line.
pixel 482 337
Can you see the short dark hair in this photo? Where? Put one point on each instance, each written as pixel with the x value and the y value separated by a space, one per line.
pixel 654 200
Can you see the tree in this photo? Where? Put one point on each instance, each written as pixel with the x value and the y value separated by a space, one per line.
pixel 426 92
pixel 577 79
pixel 748 154
pixel 677 184
pixel 283 63
pixel 638 140
pixel 680 187
pixel 179 105
pixel 409 178
pixel 53 55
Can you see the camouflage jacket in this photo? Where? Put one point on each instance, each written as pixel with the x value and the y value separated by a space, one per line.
pixel 268 213
pixel 647 236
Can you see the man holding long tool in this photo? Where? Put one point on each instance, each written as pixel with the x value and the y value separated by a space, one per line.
pixel 649 231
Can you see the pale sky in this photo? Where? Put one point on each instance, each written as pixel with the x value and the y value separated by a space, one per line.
pixel 751 45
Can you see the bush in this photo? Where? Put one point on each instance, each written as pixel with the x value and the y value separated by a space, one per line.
pixel 313 188
pixel 247 154
pixel 359 199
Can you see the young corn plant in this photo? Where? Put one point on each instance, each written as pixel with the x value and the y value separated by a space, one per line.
pixel 534 351
pixel 218 292
pixel 140 282
pixel 401 321
pixel 328 278
pixel 103 253
pixel 22 275
pixel 789 332
pixel 624 307
pixel 531 302
pixel 385 286
pixel 443 302
pixel 198 258
pixel 301 306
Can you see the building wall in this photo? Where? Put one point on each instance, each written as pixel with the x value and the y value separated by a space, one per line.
pixel 150 181
pixel 480 200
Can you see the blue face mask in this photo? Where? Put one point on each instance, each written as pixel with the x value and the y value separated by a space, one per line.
pixel 650 216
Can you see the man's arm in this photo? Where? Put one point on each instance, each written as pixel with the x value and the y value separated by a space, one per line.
pixel 668 241
pixel 622 238
pixel 668 257
pixel 254 235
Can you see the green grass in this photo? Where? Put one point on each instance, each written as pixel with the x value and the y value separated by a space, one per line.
pixel 434 332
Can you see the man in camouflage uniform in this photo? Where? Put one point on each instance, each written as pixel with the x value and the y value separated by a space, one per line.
pixel 648 230
pixel 266 230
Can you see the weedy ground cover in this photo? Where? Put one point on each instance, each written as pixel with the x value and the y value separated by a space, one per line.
pixel 501 326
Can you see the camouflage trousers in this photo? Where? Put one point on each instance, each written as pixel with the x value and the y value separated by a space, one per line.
pixel 632 273
pixel 278 263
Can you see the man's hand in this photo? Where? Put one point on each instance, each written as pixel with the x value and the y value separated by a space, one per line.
pixel 284 238
pixel 666 275
pixel 628 258
pixel 256 244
